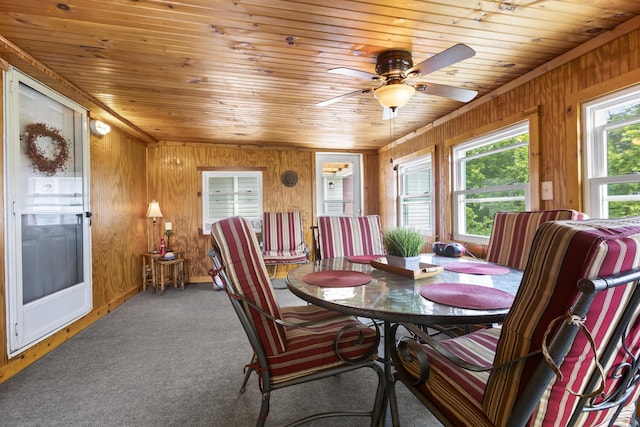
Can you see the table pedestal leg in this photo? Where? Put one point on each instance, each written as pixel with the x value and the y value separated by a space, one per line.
pixel 389 387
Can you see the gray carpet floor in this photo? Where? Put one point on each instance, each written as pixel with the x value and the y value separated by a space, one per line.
pixel 174 360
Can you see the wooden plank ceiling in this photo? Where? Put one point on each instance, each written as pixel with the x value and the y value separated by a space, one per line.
pixel 252 71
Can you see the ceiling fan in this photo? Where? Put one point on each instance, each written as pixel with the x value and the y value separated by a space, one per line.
pixel 398 78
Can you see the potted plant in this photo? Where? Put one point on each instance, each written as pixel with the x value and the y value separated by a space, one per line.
pixel 403 247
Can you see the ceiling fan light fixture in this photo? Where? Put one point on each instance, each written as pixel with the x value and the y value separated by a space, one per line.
pixel 394 95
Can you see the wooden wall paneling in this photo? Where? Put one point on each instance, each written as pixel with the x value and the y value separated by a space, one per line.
pixel 118 228
pixel 370 183
pixel 175 180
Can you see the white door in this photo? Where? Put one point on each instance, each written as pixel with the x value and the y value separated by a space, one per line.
pixel 48 260
pixel 339 184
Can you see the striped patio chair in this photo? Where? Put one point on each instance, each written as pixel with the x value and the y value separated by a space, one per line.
pixel 512 234
pixel 291 345
pixel 344 236
pixel 500 376
pixel 283 239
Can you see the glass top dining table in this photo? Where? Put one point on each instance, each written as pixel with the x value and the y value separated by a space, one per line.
pixel 395 298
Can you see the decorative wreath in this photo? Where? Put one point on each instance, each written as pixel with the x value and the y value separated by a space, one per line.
pixel 40 161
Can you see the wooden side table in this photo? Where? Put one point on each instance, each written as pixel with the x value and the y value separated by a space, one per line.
pixel 174 272
pixel 149 276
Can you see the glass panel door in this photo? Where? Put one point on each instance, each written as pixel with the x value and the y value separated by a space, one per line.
pixel 48 261
pixel 338 184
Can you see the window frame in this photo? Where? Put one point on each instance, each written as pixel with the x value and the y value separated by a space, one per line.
pixel 485 136
pixel 595 157
pixel 403 167
pixel 235 174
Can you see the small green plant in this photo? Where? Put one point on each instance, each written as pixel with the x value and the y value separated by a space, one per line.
pixel 403 242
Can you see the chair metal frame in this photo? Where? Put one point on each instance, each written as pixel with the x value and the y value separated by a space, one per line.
pixel 558 348
pixel 240 304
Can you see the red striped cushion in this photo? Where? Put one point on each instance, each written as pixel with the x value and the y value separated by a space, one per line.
pixel 284 257
pixel 282 231
pixel 563 253
pixel 343 236
pixel 283 237
pixel 291 351
pixel 512 234
pixel 243 264
pixel 313 350
pixel 462 390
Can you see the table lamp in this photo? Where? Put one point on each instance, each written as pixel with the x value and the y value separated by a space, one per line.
pixel 154 212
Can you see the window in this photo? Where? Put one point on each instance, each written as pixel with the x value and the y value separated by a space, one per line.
pixel 613 155
pixel 490 173
pixel 229 193
pixel 415 195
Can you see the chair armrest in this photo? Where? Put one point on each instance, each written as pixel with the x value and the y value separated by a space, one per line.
pixel 409 349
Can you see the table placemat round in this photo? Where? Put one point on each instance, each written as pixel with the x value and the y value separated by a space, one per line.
pixel 337 278
pixel 475 268
pixel 464 295
pixel 363 259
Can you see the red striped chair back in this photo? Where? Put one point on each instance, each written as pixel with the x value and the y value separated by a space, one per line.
pixel 283 238
pixel 343 236
pixel 236 241
pixel 512 234
pixel 294 344
pixel 563 253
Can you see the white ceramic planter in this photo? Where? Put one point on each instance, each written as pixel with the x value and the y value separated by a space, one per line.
pixel 410 263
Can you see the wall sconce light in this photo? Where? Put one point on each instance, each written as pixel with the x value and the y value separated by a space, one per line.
pixel 153 211
pixel 98 127
pixel 331 185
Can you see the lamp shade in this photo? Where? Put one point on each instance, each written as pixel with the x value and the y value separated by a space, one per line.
pixel 154 210
pixel 394 95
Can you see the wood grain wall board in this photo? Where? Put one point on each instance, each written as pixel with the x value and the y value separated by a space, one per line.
pixel 252 71
pixel 119 228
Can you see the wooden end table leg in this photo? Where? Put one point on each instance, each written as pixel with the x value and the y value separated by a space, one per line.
pixel 144 273
pixel 161 278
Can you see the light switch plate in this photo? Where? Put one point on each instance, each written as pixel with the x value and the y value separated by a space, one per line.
pixel 547 190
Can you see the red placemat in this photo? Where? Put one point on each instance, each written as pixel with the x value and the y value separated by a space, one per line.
pixel 337 278
pixel 467 296
pixel 475 268
pixel 363 259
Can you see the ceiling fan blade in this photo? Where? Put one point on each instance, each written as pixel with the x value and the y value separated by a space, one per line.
pixel 456 93
pixel 355 73
pixel 341 97
pixel 389 113
pixel 443 59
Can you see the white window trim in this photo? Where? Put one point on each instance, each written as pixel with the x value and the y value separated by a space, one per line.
pixel 460 193
pixel 595 151
pixel 256 222
pixel 425 158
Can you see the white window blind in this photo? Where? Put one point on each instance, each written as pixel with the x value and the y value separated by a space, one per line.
pixel 227 194
pixel 415 199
